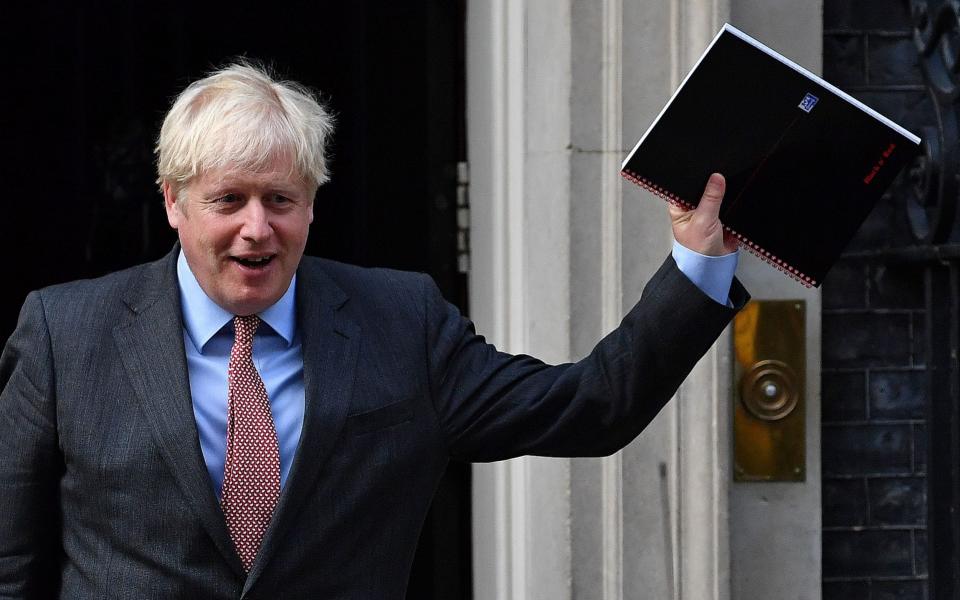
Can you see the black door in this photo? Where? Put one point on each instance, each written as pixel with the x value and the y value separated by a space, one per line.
pixel 88 84
pixel 891 320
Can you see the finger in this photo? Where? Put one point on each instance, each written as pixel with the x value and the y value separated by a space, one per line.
pixel 678 212
pixel 709 206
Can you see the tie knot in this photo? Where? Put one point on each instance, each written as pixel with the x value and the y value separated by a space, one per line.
pixel 244 328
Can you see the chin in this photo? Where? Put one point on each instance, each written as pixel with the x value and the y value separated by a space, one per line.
pixel 247 305
pixel 252 308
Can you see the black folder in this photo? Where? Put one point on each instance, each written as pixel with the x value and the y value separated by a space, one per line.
pixel 804 161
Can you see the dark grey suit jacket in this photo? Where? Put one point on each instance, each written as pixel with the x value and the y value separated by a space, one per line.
pixel 103 488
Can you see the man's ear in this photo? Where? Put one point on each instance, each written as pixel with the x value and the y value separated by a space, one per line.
pixel 174 211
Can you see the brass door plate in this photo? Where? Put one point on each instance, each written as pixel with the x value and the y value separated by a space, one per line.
pixel 769 432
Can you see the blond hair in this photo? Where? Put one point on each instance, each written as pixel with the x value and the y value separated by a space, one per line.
pixel 240 117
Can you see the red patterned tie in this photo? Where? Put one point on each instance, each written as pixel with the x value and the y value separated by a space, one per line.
pixel 251 474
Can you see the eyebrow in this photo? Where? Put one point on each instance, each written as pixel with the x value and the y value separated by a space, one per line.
pixel 224 187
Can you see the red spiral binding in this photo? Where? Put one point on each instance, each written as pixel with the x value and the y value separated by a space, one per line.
pixel 752 247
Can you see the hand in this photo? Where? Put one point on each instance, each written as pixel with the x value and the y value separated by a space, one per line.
pixel 700 230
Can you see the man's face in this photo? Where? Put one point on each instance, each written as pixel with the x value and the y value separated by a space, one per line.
pixel 243 233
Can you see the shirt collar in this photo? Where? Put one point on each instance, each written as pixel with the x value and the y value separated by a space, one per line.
pixel 203 318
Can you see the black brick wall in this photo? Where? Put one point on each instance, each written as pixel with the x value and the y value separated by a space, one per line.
pixel 873 388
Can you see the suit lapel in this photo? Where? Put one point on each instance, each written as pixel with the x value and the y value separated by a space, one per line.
pixel 151 347
pixel 330 350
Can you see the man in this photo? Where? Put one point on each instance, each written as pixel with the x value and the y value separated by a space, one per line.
pixel 237 420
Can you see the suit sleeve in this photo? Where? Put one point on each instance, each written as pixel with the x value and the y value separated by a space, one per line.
pixel 31 463
pixel 493 406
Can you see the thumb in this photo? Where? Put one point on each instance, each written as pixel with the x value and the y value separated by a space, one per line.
pixel 709 207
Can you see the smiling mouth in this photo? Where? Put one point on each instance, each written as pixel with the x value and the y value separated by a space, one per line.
pixel 254 263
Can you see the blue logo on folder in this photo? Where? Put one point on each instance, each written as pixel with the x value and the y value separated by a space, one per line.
pixel 808 102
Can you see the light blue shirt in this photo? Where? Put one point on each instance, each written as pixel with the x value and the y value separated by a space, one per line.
pixel 277 354
pixel 712 274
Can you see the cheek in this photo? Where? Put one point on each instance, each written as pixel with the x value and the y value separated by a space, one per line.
pixel 213 238
pixel 293 233
pixel 205 244
pixel 301 241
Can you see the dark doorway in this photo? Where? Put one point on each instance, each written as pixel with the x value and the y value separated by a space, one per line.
pixel 891 320
pixel 88 84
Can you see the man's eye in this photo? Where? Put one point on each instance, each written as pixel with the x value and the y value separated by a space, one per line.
pixel 228 199
pixel 278 199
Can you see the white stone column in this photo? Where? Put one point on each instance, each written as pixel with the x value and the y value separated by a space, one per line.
pixel 518 140
pixel 676 474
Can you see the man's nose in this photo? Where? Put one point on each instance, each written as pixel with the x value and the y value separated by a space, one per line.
pixel 256 222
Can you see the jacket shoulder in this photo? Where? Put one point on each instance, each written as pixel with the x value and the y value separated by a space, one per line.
pixel 363 281
pixel 109 296
pixel 103 287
